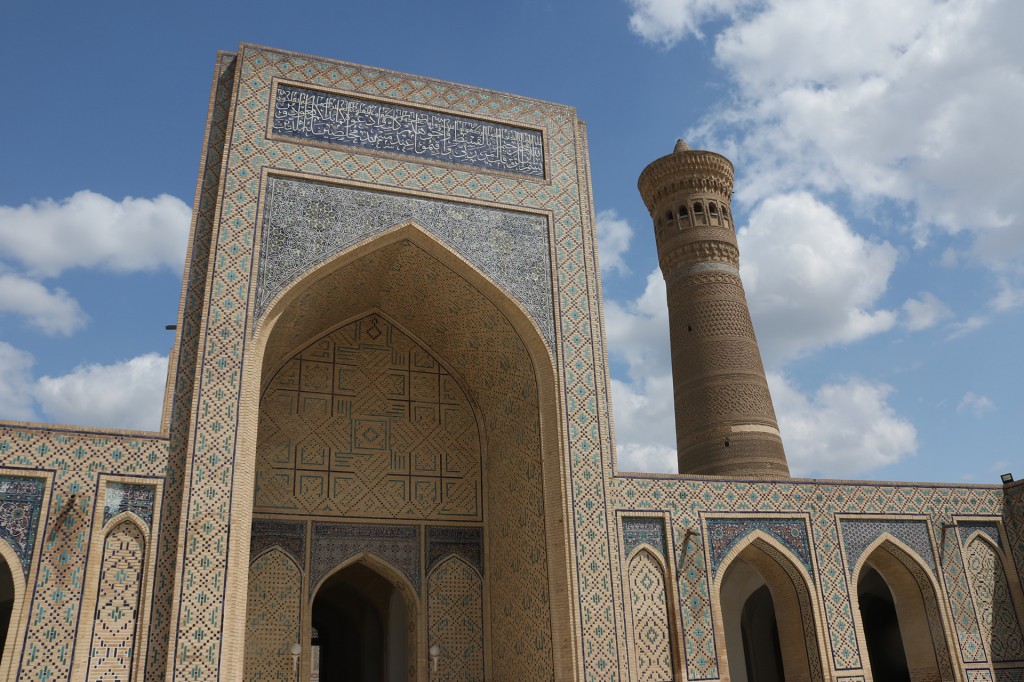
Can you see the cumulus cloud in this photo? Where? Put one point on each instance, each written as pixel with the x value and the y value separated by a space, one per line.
pixel 90 230
pixel 974 404
pixel 843 429
pixel 666 22
pixel 613 236
pixel 811 281
pixel 125 395
pixel 16 384
pixel 924 312
pixel 53 312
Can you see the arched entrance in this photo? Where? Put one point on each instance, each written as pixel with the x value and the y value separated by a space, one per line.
pixel 768 616
pixel 361 628
pixel 6 605
pixel 901 616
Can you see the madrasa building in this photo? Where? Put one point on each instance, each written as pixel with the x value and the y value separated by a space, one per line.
pixel 387 450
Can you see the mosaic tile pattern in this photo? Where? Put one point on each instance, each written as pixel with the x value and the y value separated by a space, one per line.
pixel 859 533
pixel 21 502
pixel 304 114
pixel 650 639
pixel 723 534
pixel 118 604
pixel 334 543
pixel 272 618
pixel 364 422
pixel 305 223
pixel 1000 627
pixel 136 498
pixel 989 528
pixel 961 605
pixel 455 620
pixel 806 599
pixel 465 543
pixel 290 536
pixel 637 531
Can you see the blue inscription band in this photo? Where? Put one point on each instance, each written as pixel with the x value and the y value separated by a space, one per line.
pixel 339 120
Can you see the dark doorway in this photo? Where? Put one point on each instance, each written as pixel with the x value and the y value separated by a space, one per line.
pixel 360 622
pixel 6 604
pixel 761 649
pixel 881 628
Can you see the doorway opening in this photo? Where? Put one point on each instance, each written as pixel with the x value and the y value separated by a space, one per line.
pixel 361 627
pixel 6 604
pixel 881 628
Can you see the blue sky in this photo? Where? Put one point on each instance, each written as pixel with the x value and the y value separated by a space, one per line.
pixel 879 197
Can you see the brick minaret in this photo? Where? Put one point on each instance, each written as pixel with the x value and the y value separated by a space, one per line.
pixel 725 422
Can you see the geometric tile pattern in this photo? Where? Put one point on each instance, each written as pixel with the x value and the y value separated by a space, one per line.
pixel 363 422
pixel 989 528
pixel 639 530
pixel 222 337
pixel 859 533
pixel 305 223
pixel 455 620
pixel 961 605
pixel 335 119
pixel 723 534
pixel 289 536
pixel 1000 627
pixel 272 618
pixel 129 497
pixel 20 506
pixel 112 653
pixel 466 543
pixel 333 543
pixel 651 651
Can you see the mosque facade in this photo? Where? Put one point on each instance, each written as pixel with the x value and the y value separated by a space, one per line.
pixel 387 450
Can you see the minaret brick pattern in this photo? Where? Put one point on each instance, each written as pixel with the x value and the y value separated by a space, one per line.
pixel 725 422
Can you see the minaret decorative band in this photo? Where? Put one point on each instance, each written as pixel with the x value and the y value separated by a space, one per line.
pixel 725 421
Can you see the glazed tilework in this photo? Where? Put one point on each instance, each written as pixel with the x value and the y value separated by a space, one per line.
pixel 272 618
pixel 334 543
pixel 1000 626
pixel 455 614
pixel 76 458
pixel 305 114
pixel 222 340
pixel 825 504
pixel 989 528
pixel 650 639
pixel 118 603
pixel 305 223
pixel 21 502
pixel 466 543
pixel 639 531
pixel 136 498
pixel 290 536
pixel 859 533
pixel 723 534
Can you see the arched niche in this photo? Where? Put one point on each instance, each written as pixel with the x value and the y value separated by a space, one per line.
pixel 918 613
pixel 994 599
pixel 12 600
pixel 487 342
pixel 650 621
pixel 768 613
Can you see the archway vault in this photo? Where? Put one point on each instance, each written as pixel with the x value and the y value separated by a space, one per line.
pixel 494 350
pixel 796 606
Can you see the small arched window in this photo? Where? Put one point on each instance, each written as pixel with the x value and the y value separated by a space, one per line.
pixel 698 214
pixel 684 216
pixel 713 212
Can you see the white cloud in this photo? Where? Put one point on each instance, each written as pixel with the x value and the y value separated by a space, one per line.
pixel 842 430
pixel 53 312
pixel 645 431
pixel 971 324
pixel 91 231
pixel 15 384
pixel 668 21
pixel 974 404
pixel 613 236
pixel 126 395
pixel 810 280
pixel 924 312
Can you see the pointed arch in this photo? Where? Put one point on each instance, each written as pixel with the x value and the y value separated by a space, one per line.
pixel 914 590
pixel 14 604
pixel 272 615
pixel 994 602
pixel 480 331
pixel 455 618
pixel 797 611
pixel 649 618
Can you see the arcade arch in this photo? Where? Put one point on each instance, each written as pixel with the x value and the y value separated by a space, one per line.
pixel 768 615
